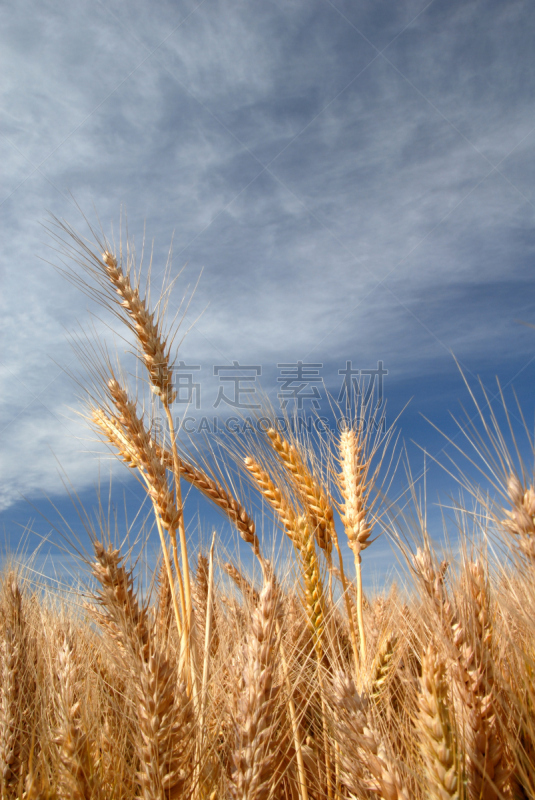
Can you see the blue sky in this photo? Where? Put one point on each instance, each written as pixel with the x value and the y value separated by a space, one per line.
pixel 354 180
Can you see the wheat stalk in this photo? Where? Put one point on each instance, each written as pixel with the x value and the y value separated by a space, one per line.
pixel 164 712
pixel 156 357
pixel 301 535
pixel 298 529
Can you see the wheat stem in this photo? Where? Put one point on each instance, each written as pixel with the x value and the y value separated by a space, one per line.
pixel 360 615
pixel 207 634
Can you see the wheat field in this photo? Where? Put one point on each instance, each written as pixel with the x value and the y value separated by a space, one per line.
pixel 297 685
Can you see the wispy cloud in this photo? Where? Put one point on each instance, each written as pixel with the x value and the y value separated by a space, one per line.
pixel 356 183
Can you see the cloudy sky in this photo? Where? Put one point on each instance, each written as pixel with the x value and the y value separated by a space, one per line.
pixel 354 181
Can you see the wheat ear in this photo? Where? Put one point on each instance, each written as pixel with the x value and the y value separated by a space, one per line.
pixel 520 520
pixel 221 498
pixel 355 489
pixel 245 586
pixel 156 358
pixel 164 608
pixel 13 755
pixel 275 498
pixel 437 740
pixel 123 618
pixel 432 575
pixel 148 332
pixel 78 777
pixel 166 725
pixel 144 450
pixel 309 490
pixel 365 762
pixel 382 666
pixel 255 718
pixel 200 589
pixel 487 768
